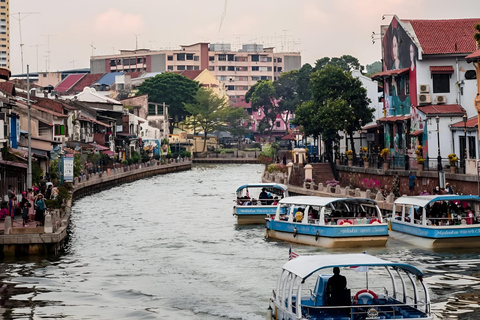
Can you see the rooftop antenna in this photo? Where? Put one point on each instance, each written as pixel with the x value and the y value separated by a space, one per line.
pixel 73 64
pixel 20 18
pixel 136 41
pixel 93 48
pixel 375 36
pixel 36 49
pixel 48 50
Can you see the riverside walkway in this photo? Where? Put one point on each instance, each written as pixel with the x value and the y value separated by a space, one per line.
pixel 18 240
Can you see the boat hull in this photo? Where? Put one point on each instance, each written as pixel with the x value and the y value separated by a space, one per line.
pixel 328 236
pixel 253 214
pixel 461 236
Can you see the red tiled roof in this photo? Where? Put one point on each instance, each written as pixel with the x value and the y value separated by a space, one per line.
pixel 441 69
pixel 442 109
pixel 473 57
pixel 68 82
pixel 86 81
pixel 446 36
pixel 54 105
pixel 84 117
pixel 60 115
pixel 416 133
pixel 190 74
pixel 471 123
pixel 394 118
pixel 389 73
pixel 8 87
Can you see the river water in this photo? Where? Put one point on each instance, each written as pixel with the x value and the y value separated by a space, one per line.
pixel 168 247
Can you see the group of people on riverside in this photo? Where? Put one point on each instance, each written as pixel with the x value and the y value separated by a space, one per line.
pixel 29 204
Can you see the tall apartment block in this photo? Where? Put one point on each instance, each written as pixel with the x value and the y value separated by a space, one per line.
pixel 4 34
pixel 239 70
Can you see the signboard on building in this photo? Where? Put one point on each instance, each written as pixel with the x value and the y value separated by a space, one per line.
pixel 68 168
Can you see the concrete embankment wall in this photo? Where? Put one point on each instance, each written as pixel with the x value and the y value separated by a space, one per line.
pixel 50 238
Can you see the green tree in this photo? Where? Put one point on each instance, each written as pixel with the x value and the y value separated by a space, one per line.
pixel 209 112
pixel 173 89
pixel 373 68
pixel 235 122
pixel 262 96
pixel 286 89
pixel 345 62
pixel 331 86
pixel 303 83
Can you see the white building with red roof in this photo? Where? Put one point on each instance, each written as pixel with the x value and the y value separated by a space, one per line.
pixel 427 80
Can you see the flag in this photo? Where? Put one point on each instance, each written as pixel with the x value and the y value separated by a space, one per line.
pixel 360 269
pixel 291 254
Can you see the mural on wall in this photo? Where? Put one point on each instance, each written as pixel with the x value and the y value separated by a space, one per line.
pixel 399 52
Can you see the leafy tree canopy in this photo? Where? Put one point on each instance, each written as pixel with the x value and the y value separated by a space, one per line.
pixel 373 68
pixel 208 111
pixel 303 83
pixel 345 62
pixel 173 89
pixel 263 96
pixel 235 121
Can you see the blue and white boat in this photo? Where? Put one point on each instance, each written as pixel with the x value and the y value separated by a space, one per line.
pixel 437 221
pixel 376 289
pixel 255 201
pixel 328 222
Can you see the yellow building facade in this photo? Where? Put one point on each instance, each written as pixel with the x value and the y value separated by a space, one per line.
pixel 4 34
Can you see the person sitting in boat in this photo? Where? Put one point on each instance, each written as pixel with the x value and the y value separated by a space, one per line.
pixel 275 201
pixel 336 287
pixel 263 195
pixel 299 215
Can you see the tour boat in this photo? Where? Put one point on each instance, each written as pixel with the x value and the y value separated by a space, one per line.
pixel 328 222
pixel 254 201
pixel 436 221
pixel 375 289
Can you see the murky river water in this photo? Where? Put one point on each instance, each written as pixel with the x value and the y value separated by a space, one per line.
pixel 168 248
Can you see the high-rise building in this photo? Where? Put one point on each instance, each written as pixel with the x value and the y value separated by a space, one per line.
pixel 237 69
pixel 4 34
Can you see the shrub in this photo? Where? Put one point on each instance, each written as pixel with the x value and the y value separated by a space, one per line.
pixel 371 184
pixel 384 153
pixel 452 159
pixel 264 159
pixel 349 154
pixel 419 153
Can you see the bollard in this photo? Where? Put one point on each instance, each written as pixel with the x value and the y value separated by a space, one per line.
pixel 357 192
pixel 368 194
pixel 337 189
pixel 390 198
pixel 379 196
pixel 48 224
pixel 347 191
pixel 8 225
pixel 320 187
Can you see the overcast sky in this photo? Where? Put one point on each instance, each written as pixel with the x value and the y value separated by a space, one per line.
pixel 72 30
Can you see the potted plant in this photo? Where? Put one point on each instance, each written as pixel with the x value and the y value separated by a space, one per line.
pixel 349 154
pixel 420 159
pixel 384 154
pixel 363 152
pixel 452 161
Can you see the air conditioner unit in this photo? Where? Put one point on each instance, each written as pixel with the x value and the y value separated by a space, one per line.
pixel 424 98
pixel 424 88
pixel 440 99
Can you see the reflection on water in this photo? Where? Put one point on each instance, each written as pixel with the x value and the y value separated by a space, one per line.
pixel 168 247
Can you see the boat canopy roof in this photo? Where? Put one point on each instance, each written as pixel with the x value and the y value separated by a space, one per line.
pixel 304 266
pixel 422 201
pixel 263 185
pixel 322 201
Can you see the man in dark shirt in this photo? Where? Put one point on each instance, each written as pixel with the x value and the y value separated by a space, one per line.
pixel 335 288
pixel 263 195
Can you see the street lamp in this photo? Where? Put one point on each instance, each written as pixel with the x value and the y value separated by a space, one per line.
pixel 439 157
pixel 465 133
pixel 345 131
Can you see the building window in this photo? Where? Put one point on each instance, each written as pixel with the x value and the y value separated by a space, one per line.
pixel 196 67
pixel 222 57
pixel 231 68
pixel 113 63
pixel 241 59
pixel 279 69
pixel 279 59
pixel 278 124
pixel 152 110
pixel 255 78
pixel 222 78
pixel 170 68
pixel 195 58
pixel 255 57
pixel 241 68
pixel 139 60
pixel 211 58
pixel 222 68
pixel 441 83
pixel 180 68
pixel 231 57
pixel 210 68
pixel 189 56
pixel 255 68
pixel 230 87
pixel 181 57
pixel 59 130
pixel 170 58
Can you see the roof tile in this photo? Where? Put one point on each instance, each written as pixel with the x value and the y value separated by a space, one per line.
pixel 442 109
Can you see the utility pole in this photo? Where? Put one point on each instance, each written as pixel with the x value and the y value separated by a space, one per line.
pixel 48 50
pixel 29 168
pixel 136 41
pixel 36 48
pixel 20 18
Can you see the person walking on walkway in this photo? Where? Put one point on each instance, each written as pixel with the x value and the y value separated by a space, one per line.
pixel 39 210
pixel 411 183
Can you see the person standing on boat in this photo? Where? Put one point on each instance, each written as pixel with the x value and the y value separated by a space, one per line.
pixel 470 215
pixel 263 195
pixel 448 188
pixel 411 183
pixel 335 288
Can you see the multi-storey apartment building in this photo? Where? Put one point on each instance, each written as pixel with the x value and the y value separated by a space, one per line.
pixel 238 70
pixel 4 34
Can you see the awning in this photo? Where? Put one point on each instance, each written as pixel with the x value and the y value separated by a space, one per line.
pixel 108 152
pixel 394 118
pixel 389 73
pixel 99 146
pixel 416 133
pixel 441 69
pixel 289 137
pixel 473 57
